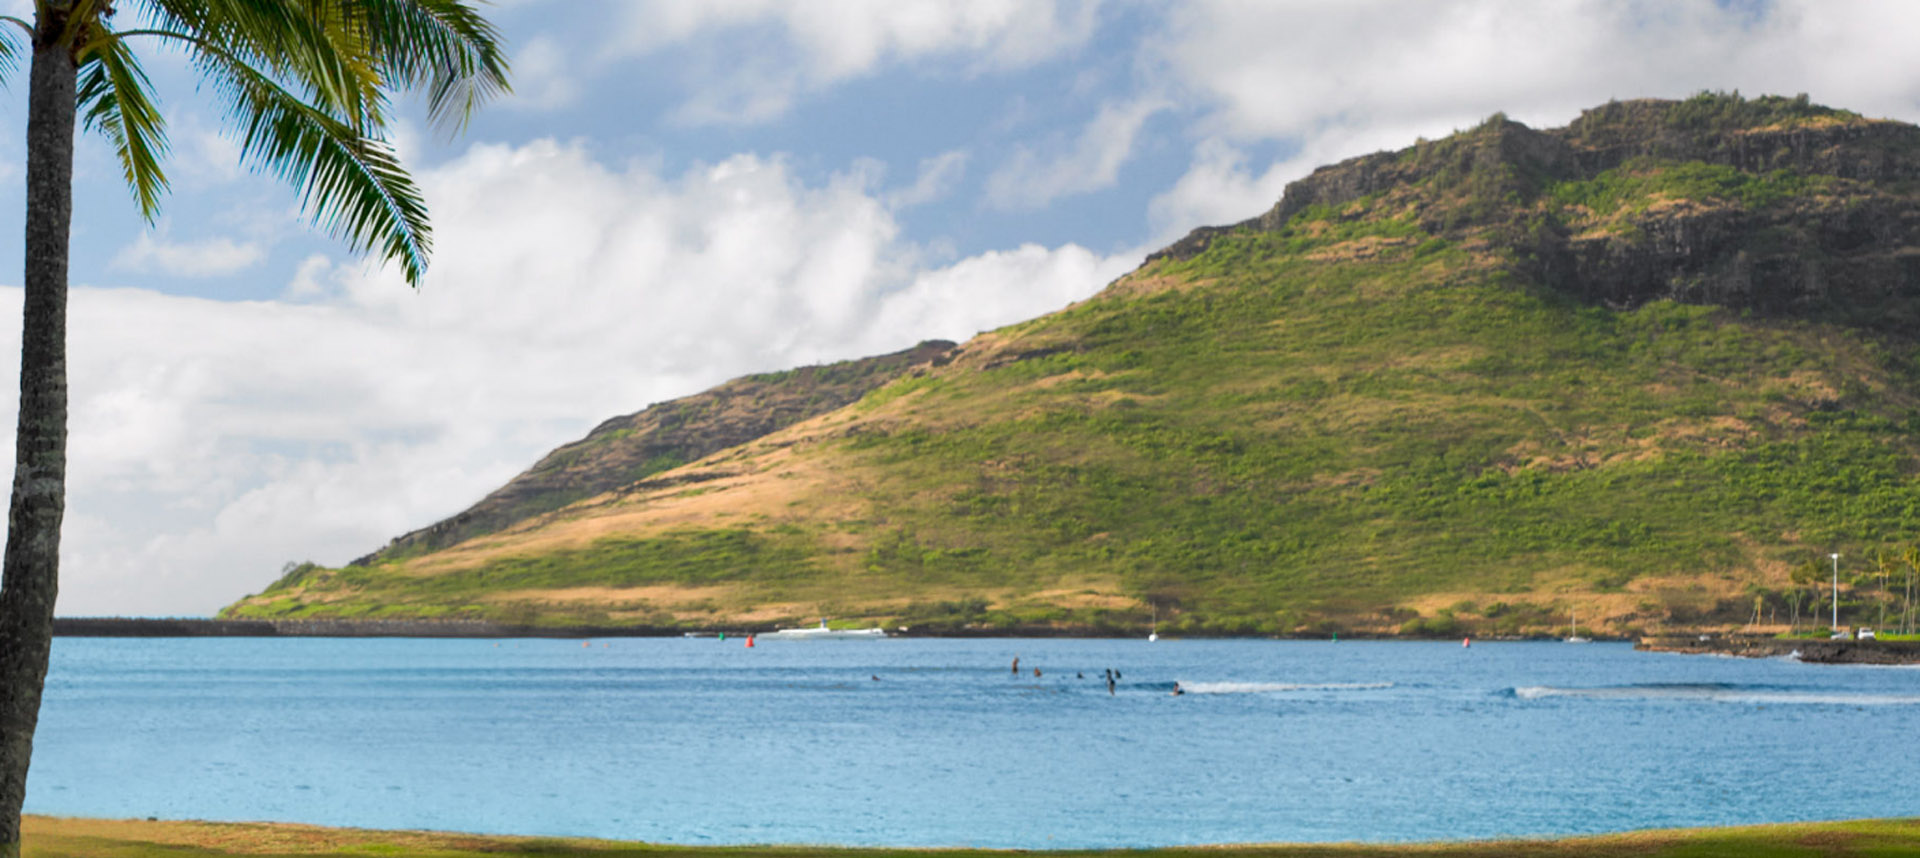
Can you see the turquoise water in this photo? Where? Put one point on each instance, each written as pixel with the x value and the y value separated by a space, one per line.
pixel 703 741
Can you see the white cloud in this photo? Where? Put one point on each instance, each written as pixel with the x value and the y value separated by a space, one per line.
pixel 1031 180
pixel 1221 187
pixel 760 55
pixel 544 76
pixel 1277 70
pixel 214 441
pixel 1043 278
pixel 1218 188
pixel 204 153
pixel 935 180
pixel 213 257
pixel 311 281
pixel 1332 79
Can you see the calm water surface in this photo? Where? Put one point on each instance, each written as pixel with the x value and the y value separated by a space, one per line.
pixel 702 741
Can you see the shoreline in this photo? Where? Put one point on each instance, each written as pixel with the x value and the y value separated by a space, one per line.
pixel 195 627
pixel 203 627
pixel 1811 650
pixel 77 837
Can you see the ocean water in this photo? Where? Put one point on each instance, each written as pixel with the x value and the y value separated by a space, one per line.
pixel 938 743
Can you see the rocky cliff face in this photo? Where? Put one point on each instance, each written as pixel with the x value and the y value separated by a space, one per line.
pixel 631 448
pixel 1809 213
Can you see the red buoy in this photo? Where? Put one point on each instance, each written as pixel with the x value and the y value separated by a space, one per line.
pixel 1466 642
pixel 749 641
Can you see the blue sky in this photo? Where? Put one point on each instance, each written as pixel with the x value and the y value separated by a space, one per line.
pixel 682 191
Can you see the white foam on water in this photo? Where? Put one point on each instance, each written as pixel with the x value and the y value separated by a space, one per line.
pixel 1717 694
pixel 1274 687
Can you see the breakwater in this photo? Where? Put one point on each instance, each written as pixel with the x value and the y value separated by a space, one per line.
pixel 151 627
pixel 1806 649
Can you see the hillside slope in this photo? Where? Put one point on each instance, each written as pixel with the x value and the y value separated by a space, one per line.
pixel 1648 366
pixel 633 447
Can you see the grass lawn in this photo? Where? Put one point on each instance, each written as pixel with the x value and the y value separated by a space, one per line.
pixel 48 837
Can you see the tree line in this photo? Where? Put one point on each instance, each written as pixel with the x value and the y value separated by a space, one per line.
pixel 1879 593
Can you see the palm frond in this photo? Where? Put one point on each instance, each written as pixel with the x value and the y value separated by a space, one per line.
pixel 352 185
pixel 116 98
pixel 10 44
pixel 307 83
pixel 344 54
pixel 443 46
pixel 308 43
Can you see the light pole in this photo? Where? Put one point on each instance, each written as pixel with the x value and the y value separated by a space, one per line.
pixel 1836 591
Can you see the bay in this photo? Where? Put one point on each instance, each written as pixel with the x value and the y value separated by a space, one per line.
pixel 917 742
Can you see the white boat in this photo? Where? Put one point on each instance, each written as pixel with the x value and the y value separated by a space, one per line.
pixel 822 633
pixel 1575 637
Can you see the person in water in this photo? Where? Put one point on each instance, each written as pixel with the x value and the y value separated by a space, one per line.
pixel 1036 673
pixel 1177 690
pixel 1016 665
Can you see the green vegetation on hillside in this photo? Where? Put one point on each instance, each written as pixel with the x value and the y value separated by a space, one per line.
pixel 1711 111
pixel 1652 366
pixel 1321 437
pixel 1645 182
pixel 690 558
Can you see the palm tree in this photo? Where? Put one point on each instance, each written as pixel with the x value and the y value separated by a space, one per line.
pixel 306 85
pixel 1883 570
pixel 1907 607
pixel 1805 575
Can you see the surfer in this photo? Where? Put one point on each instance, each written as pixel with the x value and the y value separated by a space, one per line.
pixel 1177 690
pixel 1016 665
pixel 1036 673
pixel 1110 675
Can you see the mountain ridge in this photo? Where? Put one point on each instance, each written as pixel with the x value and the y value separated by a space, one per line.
pixel 1766 136
pixel 1644 367
pixel 629 448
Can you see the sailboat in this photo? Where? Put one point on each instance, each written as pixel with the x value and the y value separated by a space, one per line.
pixel 1575 636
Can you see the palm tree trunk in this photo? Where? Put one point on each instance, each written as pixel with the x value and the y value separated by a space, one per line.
pixel 32 562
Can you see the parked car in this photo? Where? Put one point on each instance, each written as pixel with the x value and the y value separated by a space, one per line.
pixel 1864 634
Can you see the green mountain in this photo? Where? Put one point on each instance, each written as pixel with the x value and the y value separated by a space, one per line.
pixel 1648 367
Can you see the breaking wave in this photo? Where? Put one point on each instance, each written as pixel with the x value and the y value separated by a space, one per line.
pixel 1272 687
pixel 1717 694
